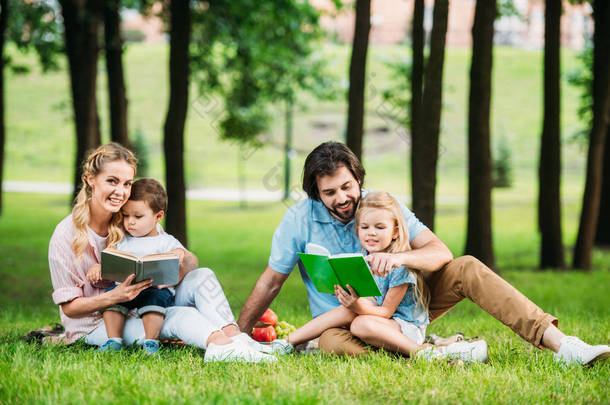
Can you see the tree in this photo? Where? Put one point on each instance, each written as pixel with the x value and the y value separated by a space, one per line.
pixel 479 233
pixel 601 107
pixel 602 234
pixel 357 73
pixel 253 68
pixel 113 43
pixel 417 84
pixel 549 200
pixel 424 154
pixel 173 140
pixel 81 28
pixel 3 28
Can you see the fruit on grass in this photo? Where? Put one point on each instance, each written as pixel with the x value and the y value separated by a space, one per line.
pixel 269 317
pixel 283 329
pixel 266 334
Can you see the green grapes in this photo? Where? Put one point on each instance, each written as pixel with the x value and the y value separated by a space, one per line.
pixel 283 329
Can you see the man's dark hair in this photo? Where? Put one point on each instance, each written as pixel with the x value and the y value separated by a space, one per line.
pixel 151 192
pixel 324 160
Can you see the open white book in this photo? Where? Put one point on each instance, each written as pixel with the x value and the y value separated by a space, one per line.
pixel 162 268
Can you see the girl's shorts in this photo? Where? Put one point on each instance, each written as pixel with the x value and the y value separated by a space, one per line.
pixel 416 333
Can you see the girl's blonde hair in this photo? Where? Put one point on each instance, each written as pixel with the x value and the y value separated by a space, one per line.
pixel 110 152
pixel 384 201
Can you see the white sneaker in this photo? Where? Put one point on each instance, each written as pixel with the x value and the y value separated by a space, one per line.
pixel 429 353
pixel 466 351
pixel 235 351
pixel 572 350
pixel 281 346
pixel 245 339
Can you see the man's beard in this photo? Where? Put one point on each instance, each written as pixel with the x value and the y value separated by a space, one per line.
pixel 347 216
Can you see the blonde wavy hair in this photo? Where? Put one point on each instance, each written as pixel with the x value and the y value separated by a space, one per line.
pixel 384 201
pixel 110 152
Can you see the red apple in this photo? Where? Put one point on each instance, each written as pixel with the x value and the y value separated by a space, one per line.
pixel 266 334
pixel 269 317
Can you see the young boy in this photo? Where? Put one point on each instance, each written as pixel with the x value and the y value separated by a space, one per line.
pixel 141 215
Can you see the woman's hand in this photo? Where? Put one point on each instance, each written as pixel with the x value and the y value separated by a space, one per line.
pixel 382 263
pixel 127 291
pixel 94 274
pixel 348 300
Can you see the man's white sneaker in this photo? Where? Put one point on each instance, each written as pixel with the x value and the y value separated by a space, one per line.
pixel 281 346
pixel 235 351
pixel 572 350
pixel 466 351
pixel 253 344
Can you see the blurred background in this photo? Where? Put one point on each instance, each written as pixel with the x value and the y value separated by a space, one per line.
pixel 488 118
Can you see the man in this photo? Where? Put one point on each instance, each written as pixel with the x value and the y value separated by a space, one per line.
pixel 332 178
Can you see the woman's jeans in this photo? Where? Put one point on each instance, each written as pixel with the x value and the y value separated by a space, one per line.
pixel 200 308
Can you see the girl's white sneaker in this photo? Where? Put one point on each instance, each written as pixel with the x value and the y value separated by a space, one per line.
pixel 466 351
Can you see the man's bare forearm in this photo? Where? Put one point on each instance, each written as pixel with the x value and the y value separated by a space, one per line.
pixel 266 289
pixel 431 257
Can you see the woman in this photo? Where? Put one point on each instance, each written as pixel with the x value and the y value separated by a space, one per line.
pixel 76 246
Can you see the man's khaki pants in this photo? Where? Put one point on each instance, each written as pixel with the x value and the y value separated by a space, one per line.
pixel 464 277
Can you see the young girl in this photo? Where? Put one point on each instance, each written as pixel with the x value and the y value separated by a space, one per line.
pixel 397 319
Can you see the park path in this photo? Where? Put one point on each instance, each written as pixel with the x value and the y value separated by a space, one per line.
pixel 202 194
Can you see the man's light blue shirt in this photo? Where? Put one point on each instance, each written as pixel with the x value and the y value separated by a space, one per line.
pixel 310 221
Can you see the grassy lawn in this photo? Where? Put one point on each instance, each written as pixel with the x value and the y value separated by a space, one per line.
pixel 235 243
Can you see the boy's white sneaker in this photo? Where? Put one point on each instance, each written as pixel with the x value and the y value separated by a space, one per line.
pixel 235 351
pixel 572 350
pixel 466 351
pixel 245 339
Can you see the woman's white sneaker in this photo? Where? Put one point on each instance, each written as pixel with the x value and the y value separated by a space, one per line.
pixel 235 351
pixel 572 350
pixel 253 344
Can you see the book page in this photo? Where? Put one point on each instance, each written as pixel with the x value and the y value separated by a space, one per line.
pixel 121 253
pixel 159 256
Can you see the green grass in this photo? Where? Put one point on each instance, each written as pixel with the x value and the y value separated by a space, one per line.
pixel 235 243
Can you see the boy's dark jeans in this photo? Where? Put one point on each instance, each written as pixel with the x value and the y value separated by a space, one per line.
pixel 149 300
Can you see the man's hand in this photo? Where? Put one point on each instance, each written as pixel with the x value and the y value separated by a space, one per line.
pixel 94 274
pixel 348 300
pixel 382 263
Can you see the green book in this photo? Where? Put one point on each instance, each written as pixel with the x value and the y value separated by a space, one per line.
pixel 161 268
pixel 327 271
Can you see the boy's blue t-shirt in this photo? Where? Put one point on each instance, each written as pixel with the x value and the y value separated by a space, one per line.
pixel 407 310
pixel 310 222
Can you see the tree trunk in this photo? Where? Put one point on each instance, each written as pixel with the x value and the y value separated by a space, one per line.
pixel 357 73
pixel 549 200
pixel 81 23
pixel 114 67
pixel 425 145
pixel 173 142
pixel 601 104
pixel 3 25
pixel 602 235
pixel 288 148
pixel 417 84
pixel 479 236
